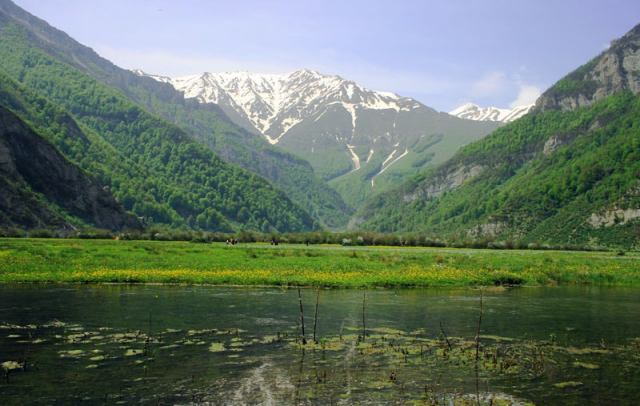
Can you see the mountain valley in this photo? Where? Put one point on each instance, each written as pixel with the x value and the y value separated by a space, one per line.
pixel 309 151
pixel 361 141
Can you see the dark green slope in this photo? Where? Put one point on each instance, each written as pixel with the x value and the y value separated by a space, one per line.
pixel 567 173
pixel 206 122
pixel 153 167
pixel 39 188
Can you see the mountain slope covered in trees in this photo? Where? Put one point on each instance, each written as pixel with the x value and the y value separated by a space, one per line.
pixel 569 172
pixel 207 123
pixel 153 167
pixel 39 188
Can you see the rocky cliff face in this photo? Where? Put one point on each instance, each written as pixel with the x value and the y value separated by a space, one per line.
pixel 36 181
pixel 616 69
pixel 447 180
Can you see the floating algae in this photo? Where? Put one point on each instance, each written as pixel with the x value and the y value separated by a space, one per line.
pixel 132 352
pixel 270 339
pixel 216 347
pixel 325 344
pixel 586 365
pixel 11 365
pixel 9 326
pixel 428 366
pixel 568 384
pixel 387 331
pixel 201 332
pixel 190 342
pixel 586 351
pixel 495 338
pixel 71 353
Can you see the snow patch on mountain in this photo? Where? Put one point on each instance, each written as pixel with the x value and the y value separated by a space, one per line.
pixel 387 164
pixel 354 157
pixel 471 111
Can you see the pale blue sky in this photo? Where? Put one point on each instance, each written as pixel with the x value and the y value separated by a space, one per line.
pixel 492 52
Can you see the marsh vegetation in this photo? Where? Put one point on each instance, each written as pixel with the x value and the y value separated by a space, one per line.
pixel 65 260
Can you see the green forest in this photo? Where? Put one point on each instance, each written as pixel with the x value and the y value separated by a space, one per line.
pixel 153 167
pixel 529 194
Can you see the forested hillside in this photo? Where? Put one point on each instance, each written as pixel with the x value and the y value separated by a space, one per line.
pixel 204 122
pixel 567 173
pixel 39 188
pixel 153 167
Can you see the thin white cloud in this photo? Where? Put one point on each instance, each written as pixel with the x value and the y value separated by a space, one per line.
pixel 527 94
pixel 495 86
pixel 491 84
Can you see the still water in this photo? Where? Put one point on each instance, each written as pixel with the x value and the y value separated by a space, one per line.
pixel 97 344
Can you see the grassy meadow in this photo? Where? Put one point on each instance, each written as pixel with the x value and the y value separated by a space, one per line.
pixel 102 261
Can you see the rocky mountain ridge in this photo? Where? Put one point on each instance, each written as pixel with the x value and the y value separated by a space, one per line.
pixel 614 70
pixel 471 111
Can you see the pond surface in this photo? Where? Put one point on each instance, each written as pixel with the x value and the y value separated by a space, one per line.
pixel 97 344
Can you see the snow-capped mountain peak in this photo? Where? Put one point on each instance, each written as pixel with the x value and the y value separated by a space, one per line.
pixel 344 130
pixel 471 111
pixel 274 103
pixel 159 78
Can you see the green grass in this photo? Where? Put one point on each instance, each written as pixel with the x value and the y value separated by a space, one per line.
pixel 66 260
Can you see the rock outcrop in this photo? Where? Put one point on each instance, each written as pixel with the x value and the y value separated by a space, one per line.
pixel 613 217
pixel 448 181
pixel 616 69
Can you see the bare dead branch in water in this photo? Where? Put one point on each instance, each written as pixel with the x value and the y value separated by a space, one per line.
pixel 315 317
pixel 304 339
pixel 444 334
pixel 478 329
pixel 364 322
